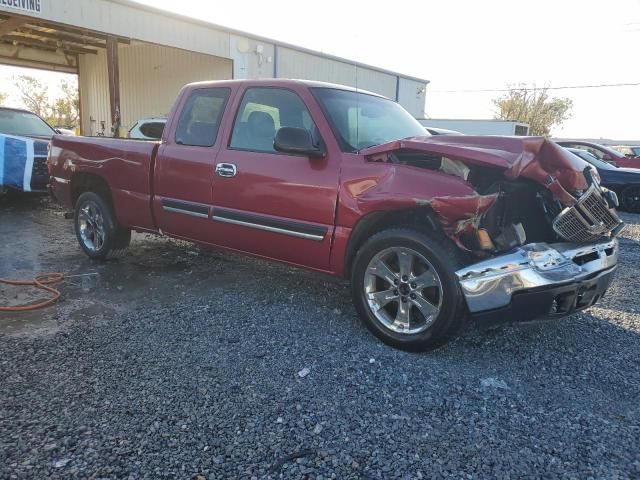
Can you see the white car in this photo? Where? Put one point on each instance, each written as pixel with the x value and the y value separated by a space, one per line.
pixel 148 128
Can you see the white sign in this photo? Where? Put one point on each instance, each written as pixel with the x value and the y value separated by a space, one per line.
pixel 31 6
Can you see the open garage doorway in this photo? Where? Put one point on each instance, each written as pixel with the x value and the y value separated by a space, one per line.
pixel 51 95
pixel 120 80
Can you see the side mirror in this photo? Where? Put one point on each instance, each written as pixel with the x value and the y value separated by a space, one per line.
pixel 57 130
pixel 297 140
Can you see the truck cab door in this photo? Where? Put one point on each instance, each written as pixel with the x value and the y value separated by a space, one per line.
pixel 269 203
pixel 185 162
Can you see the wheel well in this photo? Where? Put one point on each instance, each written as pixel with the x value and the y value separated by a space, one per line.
pixel 88 182
pixel 421 218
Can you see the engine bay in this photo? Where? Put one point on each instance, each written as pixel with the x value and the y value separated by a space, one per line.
pixel 515 211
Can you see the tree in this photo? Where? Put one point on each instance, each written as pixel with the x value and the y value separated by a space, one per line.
pixel 65 109
pixel 33 94
pixel 533 106
pixel 62 111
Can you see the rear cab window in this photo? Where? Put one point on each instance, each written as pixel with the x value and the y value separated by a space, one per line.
pixel 200 118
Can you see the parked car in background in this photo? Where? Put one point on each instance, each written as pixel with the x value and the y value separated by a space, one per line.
pixel 628 150
pixel 601 152
pixel 65 130
pixel 624 181
pixel 24 138
pixel 441 131
pixel 148 128
pixel 430 229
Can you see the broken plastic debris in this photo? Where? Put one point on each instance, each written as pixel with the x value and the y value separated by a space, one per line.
pixel 491 382
pixel 304 372
pixel 61 463
pixel 86 281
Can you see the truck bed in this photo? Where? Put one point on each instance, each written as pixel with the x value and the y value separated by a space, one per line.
pixel 127 164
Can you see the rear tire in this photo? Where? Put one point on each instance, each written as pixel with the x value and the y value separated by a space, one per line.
pixel 405 289
pixel 97 229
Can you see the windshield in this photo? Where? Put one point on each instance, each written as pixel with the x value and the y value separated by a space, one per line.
pixel 15 122
pixel 636 151
pixel 360 120
pixel 592 159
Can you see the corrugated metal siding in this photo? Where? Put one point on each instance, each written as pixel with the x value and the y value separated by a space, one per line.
pixel 131 22
pixel 377 82
pixel 120 17
pixel 94 92
pixel 150 78
pixel 302 65
pixel 247 61
pixel 411 95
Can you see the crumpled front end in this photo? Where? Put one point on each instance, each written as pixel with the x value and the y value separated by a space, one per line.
pixel 539 280
pixel 531 214
pixel 519 190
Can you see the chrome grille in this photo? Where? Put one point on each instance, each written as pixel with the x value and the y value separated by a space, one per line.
pixel 588 220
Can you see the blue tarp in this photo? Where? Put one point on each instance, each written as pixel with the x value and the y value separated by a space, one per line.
pixel 16 162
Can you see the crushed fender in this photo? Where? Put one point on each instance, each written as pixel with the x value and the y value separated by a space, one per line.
pixel 461 215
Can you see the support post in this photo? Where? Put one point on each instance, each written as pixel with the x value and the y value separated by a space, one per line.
pixel 114 84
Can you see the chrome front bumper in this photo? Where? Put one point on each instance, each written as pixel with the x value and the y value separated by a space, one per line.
pixel 492 284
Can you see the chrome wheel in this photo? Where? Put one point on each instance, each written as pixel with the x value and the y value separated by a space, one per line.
pixel 91 226
pixel 403 290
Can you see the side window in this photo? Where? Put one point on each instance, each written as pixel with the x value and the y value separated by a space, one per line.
pixel 262 112
pixel 200 118
pixel 152 129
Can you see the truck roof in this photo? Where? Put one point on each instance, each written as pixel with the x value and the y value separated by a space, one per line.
pixel 281 82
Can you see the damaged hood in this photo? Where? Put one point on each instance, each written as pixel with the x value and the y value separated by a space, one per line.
pixel 536 158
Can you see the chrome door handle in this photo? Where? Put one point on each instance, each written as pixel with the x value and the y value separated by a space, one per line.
pixel 226 170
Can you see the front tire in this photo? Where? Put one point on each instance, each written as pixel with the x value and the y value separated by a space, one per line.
pixel 405 290
pixel 97 229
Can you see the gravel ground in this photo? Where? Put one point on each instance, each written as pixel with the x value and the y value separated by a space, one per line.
pixel 180 363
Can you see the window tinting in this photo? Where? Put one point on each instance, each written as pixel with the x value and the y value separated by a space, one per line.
pixel 360 120
pixel 262 112
pixel 152 129
pixel 200 118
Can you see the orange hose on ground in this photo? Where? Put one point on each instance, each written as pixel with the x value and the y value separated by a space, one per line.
pixel 41 281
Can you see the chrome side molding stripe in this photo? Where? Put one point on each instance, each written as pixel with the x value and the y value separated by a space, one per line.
pixel 268 224
pixel 186 208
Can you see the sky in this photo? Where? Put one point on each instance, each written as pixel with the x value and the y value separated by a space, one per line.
pixel 462 45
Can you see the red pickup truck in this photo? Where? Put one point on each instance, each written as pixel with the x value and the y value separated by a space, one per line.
pixel 429 229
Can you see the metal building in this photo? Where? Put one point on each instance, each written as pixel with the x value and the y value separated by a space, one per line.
pixel 132 59
pixel 468 126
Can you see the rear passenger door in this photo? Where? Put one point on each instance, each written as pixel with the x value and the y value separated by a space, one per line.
pixel 185 165
pixel 271 203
